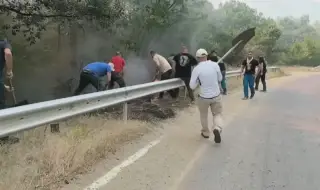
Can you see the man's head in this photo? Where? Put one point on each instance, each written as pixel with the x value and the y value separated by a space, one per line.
pixel 261 59
pixel 250 54
pixel 213 53
pixel 184 49
pixel 152 53
pixel 202 54
pixel 118 53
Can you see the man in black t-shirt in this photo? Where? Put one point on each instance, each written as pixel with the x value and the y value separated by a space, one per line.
pixel 248 69
pixel 183 68
pixel 262 74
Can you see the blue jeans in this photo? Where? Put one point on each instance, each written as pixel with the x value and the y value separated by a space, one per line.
pixel 2 91
pixel 248 82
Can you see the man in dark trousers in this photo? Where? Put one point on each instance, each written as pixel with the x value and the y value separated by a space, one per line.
pixel 262 74
pixel 6 64
pixel 183 68
pixel 118 73
pixel 248 70
pixel 91 75
pixel 214 57
pixel 163 71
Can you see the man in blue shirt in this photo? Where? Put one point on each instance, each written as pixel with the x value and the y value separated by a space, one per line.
pixel 91 75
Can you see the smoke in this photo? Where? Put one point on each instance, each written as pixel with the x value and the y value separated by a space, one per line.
pixel 138 70
pixel 59 78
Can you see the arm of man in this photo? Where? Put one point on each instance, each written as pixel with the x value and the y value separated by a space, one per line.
pixel 243 65
pixel 109 76
pixel 9 60
pixel 157 67
pixel 124 67
pixel 194 81
pixel 258 69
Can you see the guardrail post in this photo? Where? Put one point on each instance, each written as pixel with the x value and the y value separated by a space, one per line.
pixel 55 128
pixel 125 112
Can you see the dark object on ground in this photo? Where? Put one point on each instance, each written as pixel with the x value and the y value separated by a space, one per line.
pixel 245 36
pixel 147 111
pixel 55 128
pixel 9 140
pixel 21 103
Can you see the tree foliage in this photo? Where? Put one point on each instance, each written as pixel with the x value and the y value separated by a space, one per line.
pixel 74 32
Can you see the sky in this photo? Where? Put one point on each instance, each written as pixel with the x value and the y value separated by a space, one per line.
pixel 281 8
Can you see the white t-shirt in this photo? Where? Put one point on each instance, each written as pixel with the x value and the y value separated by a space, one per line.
pixel 207 74
pixel 161 63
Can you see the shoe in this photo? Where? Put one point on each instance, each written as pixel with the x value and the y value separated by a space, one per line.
pixel 263 90
pixel 252 95
pixel 217 136
pixel 245 98
pixel 204 136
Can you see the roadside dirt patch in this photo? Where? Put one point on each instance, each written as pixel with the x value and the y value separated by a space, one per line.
pixel 46 161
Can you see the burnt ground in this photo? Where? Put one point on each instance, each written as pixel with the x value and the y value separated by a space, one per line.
pixel 145 110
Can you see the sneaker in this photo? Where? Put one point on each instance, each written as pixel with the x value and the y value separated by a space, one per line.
pixel 252 95
pixel 245 98
pixel 217 136
pixel 204 136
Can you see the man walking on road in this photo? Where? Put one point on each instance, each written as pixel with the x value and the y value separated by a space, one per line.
pixel 91 75
pixel 207 74
pixel 163 69
pixel 118 73
pixel 248 70
pixel 262 74
pixel 183 67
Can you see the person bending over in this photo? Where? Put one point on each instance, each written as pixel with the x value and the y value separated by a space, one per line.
pixel 91 74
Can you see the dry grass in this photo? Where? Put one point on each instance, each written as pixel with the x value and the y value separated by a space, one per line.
pixel 45 161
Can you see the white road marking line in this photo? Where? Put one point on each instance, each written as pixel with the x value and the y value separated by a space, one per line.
pixel 117 169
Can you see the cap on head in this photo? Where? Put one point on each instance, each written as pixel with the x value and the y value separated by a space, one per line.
pixel 201 53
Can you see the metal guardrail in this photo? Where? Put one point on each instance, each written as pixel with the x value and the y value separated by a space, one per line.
pixel 22 118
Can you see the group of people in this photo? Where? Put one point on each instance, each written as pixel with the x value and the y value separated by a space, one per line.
pixel 208 75
pixel 180 66
pixel 113 69
pixel 253 71
pixel 201 70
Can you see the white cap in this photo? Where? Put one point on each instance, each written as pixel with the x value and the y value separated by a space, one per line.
pixel 112 66
pixel 201 53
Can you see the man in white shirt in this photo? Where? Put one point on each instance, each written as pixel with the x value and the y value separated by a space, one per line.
pixel 207 74
pixel 164 70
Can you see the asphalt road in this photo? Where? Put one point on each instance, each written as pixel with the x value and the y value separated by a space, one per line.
pixel 271 142
pixel 275 145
